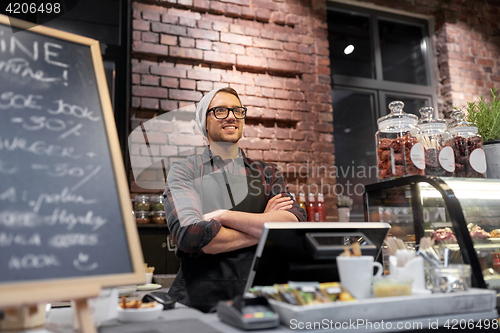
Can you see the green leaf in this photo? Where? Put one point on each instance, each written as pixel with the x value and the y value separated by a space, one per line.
pixel 486 116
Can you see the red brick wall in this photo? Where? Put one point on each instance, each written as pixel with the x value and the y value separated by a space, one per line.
pixel 274 53
pixel 469 52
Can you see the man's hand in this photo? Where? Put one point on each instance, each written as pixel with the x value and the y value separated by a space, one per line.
pixel 278 202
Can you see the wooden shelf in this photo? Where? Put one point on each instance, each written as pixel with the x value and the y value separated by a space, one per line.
pixel 152 225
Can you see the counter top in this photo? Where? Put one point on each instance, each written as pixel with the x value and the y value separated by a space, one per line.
pixel 183 319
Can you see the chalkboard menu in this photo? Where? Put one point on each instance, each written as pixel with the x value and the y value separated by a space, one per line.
pixel 64 205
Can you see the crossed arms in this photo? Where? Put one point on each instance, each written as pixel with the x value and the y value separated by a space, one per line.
pixel 240 229
pixel 221 230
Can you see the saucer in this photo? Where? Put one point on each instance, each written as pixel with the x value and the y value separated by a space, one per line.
pixel 148 287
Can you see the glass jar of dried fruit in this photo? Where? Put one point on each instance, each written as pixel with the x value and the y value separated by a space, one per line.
pixel 434 136
pixel 467 144
pixel 398 151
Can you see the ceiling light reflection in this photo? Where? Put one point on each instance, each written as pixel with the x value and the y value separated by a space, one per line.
pixel 349 49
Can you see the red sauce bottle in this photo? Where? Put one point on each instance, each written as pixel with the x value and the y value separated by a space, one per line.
pixel 496 262
pixel 320 214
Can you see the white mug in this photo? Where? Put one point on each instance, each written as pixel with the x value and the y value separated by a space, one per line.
pixel 356 274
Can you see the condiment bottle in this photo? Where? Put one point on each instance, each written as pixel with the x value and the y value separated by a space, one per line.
pixel 141 202
pixel 433 134
pixel 142 216
pixel 496 262
pixel 311 207
pixel 302 200
pixel 467 144
pixel 320 213
pixel 398 151
pixel 157 202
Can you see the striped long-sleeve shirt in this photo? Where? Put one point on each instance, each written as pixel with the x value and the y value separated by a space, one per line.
pixel 183 195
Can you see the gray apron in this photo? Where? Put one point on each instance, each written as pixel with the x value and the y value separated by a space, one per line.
pixel 204 280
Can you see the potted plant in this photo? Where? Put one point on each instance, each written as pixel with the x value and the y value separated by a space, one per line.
pixel 486 116
pixel 344 204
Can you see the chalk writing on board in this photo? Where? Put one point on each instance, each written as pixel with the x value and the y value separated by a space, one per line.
pixel 73 110
pixel 9 195
pixel 65 196
pixel 21 67
pixel 61 170
pixel 33 261
pixel 49 52
pixel 63 217
pixel 6 169
pixel 81 263
pixel 16 219
pixel 38 147
pixel 68 240
pixel 73 131
pixel 7 239
pixel 18 101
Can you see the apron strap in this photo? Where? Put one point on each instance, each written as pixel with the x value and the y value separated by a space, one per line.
pixel 227 183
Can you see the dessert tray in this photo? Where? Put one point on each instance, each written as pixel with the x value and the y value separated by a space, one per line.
pixel 390 308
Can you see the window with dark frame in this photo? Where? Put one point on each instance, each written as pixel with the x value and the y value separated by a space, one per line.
pixel 375 57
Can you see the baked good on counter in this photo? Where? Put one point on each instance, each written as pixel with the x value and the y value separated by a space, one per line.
pixel 495 233
pixel 444 236
pixel 476 232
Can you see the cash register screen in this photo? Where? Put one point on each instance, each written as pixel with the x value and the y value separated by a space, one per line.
pixel 307 251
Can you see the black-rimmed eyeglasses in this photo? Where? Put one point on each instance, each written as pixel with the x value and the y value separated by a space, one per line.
pixel 221 112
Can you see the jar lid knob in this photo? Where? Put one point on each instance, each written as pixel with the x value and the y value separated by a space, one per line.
pixel 457 116
pixel 426 113
pixel 396 107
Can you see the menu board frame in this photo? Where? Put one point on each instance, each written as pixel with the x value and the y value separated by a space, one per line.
pixel 79 288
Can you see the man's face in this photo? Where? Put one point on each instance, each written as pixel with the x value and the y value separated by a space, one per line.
pixel 224 130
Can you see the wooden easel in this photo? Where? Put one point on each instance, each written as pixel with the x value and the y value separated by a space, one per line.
pixel 84 320
pixel 78 294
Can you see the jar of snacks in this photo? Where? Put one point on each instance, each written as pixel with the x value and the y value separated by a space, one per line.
pixel 141 202
pixel 156 202
pixel 142 216
pixel 434 136
pixel 467 144
pixel 158 216
pixel 398 151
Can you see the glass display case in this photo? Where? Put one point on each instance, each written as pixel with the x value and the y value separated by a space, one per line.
pixel 461 214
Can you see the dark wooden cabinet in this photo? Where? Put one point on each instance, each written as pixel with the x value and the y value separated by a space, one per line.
pixel 157 248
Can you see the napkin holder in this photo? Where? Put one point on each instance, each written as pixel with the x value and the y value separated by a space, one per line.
pixel 414 269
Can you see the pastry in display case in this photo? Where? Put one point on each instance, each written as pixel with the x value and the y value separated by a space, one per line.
pixel 460 215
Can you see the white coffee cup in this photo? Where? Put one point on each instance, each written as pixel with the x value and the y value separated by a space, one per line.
pixel 356 274
pixel 148 278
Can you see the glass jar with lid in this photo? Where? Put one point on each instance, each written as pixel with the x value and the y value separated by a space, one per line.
pixel 156 202
pixel 141 202
pixel 467 144
pixel 158 216
pixel 434 136
pixel 142 216
pixel 398 151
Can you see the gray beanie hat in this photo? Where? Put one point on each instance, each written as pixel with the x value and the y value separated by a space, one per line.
pixel 202 108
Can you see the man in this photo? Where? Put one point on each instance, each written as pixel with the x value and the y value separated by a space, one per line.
pixel 217 203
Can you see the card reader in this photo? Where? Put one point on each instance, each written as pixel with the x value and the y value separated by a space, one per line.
pixel 248 313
